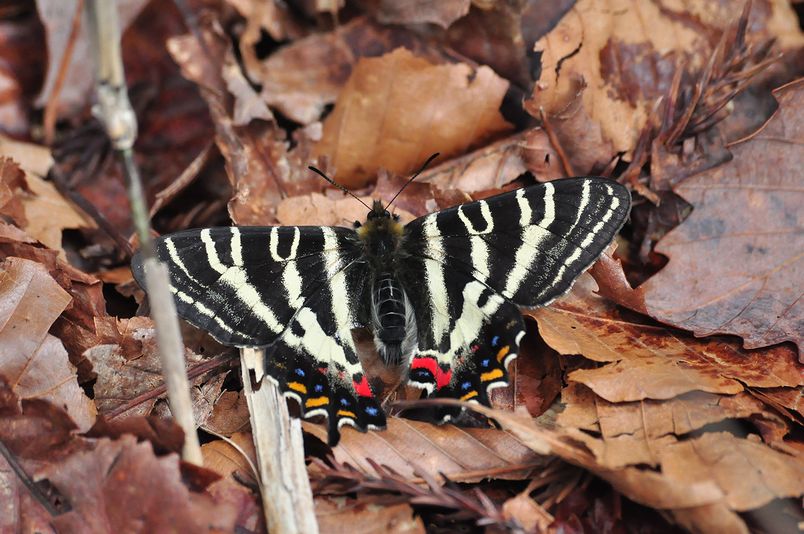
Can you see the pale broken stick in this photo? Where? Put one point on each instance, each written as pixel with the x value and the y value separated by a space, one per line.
pixel 114 110
pixel 285 488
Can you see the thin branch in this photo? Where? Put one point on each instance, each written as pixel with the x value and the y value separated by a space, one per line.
pixel 115 111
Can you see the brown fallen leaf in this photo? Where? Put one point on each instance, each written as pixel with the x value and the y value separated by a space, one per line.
pixel 223 458
pixel 12 188
pixel 497 164
pixel 229 414
pixel 75 327
pixel 636 433
pixel 398 109
pixel 350 516
pixel 702 500
pixel 34 361
pixel 649 362
pixel 441 13
pixel 302 78
pixel 501 35
pixel 736 264
pixel 462 454
pixel 607 62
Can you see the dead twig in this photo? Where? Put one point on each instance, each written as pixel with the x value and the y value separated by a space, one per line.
pixel 115 111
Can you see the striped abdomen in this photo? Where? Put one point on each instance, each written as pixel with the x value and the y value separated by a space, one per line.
pixel 394 323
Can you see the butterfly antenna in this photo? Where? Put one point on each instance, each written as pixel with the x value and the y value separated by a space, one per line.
pixel 339 186
pixel 426 163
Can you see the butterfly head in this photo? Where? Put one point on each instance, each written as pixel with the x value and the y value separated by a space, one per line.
pixel 381 225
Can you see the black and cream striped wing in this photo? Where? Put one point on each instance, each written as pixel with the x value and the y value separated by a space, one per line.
pixel 481 260
pixel 296 291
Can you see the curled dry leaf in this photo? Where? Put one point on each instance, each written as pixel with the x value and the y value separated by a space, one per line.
pixel 635 433
pixel 398 109
pixel 607 62
pixel 736 264
pixel 34 361
pixel 648 362
pixel 300 79
pixel 462 454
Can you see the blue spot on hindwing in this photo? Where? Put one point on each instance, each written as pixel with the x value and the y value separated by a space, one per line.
pixel 371 410
pixel 299 371
pixel 495 341
pixel 485 363
pixel 466 385
pixel 345 401
pixel 318 388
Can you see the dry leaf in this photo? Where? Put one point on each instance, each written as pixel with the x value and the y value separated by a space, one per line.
pixel 12 189
pixel 349 516
pixel 398 109
pixel 736 264
pixel 224 459
pixel 649 362
pixel 607 62
pixel 229 414
pixel 501 35
pixel 34 361
pixel 300 79
pixel 442 13
pixel 462 454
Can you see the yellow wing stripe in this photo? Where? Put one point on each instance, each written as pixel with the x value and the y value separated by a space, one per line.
pixel 469 395
pixel 297 386
pixel 313 403
pixel 491 375
pixel 503 353
pixel 346 413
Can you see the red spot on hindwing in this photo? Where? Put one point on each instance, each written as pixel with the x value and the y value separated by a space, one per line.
pixel 442 377
pixel 362 388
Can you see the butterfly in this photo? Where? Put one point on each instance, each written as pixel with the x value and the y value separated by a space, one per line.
pixel 441 294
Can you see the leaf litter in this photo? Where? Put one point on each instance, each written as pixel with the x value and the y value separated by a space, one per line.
pixel 672 386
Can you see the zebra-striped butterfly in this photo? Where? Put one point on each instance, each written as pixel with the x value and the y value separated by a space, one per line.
pixel 441 294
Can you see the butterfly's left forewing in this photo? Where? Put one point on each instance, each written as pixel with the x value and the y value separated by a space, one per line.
pixel 297 291
pixel 467 268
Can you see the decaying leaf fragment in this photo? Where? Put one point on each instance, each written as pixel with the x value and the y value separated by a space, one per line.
pixel 398 109
pixel 737 263
pixel 608 61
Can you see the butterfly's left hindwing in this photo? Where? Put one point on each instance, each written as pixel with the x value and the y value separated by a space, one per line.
pixel 466 268
pixel 297 291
